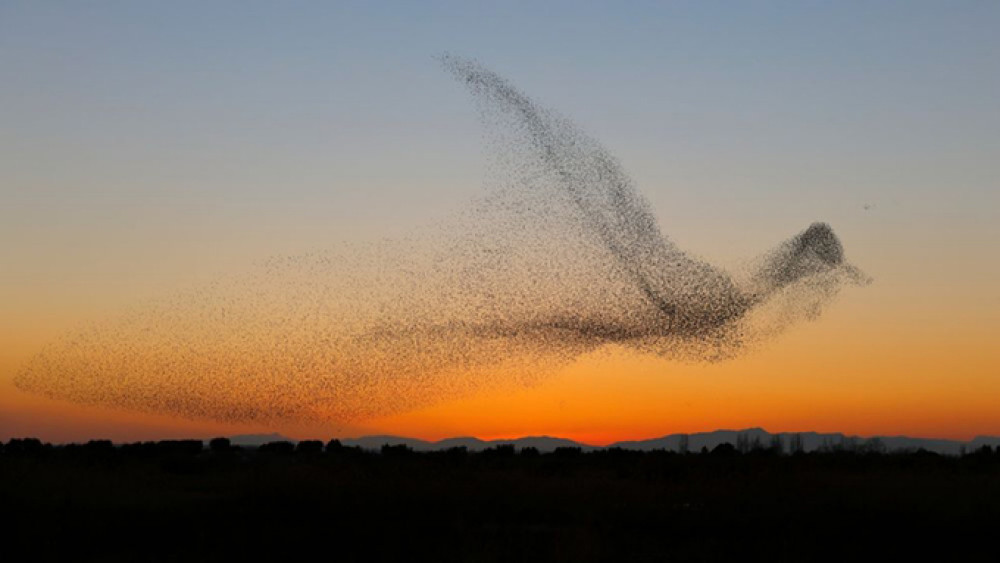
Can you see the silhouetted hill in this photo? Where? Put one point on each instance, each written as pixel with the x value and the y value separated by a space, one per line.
pixel 751 438
pixel 810 441
pixel 376 442
pixel 256 440
pixel 980 441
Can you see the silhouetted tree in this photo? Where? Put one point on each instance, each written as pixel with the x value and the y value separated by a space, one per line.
pixel 873 445
pixel 616 452
pixel 742 443
pixel 219 445
pixel 139 449
pixel 724 449
pixel 98 449
pixel 281 447
pixel 795 444
pixel 502 450
pixel 309 447
pixel 99 445
pixel 31 446
pixel 180 447
pixel 396 450
pixel 567 451
pixel 826 446
pixel 334 446
pixel 777 445
pixel 849 444
pixel 530 451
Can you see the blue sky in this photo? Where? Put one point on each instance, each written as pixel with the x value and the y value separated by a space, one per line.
pixel 746 101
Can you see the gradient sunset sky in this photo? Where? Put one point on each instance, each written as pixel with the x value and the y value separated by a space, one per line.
pixel 146 148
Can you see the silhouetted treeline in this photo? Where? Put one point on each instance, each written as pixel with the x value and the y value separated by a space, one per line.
pixel 743 446
pixel 185 500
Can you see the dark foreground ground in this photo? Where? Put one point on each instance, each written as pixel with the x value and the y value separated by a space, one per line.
pixel 178 502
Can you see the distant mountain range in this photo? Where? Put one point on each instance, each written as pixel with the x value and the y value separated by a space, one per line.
pixel 749 437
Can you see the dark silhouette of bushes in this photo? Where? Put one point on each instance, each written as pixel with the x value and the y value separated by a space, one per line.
pixel 309 447
pixel 500 451
pixel 180 447
pixel 99 447
pixel 138 450
pixel 396 451
pixel 94 451
pixel 30 446
pixel 175 500
pixel 282 447
pixel 725 450
pixel 220 445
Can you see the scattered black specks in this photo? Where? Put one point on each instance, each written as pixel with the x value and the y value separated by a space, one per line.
pixel 561 256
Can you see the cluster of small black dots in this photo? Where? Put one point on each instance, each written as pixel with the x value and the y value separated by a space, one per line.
pixel 561 257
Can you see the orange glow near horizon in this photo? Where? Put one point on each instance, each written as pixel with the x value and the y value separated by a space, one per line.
pixel 603 401
pixel 837 375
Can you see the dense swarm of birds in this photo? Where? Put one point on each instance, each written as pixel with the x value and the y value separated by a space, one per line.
pixel 561 256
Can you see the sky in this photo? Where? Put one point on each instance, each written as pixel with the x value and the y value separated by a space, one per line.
pixel 147 148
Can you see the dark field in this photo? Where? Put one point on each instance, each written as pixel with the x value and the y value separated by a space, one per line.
pixel 174 501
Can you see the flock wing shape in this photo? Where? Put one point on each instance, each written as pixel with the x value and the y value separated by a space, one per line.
pixel 560 257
